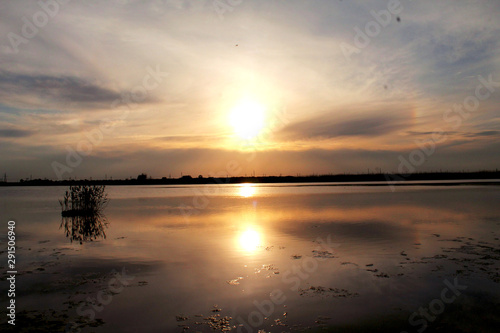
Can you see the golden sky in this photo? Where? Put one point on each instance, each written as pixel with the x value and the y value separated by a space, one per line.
pixel 89 88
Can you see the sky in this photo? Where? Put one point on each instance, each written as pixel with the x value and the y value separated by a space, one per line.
pixel 95 89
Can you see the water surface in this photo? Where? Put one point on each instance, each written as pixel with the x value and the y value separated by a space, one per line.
pixel 277 257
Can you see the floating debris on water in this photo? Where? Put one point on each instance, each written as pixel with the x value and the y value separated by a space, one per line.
pixel 269 267
pixel 382 275
pixel 218 323
pixel 348 263
pixel 278 322
pixel 234 282
pixel 437 256
pixel 328 292
pixel 322 254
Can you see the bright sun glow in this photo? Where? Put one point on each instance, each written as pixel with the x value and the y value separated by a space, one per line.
pixel 247 119
pixel 249 240
pixel 247 190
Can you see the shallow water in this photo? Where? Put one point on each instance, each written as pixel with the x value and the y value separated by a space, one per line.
pixel 278 257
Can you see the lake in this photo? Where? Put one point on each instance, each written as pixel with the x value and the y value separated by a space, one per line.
pixel 269 257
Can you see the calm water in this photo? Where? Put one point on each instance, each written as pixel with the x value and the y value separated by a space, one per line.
pixel 248 257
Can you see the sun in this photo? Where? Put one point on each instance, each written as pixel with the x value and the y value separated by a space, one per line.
pixel 247 119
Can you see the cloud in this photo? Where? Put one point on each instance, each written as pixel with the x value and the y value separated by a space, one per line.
pixel 123 162
pixel 15 133
pixel 482 134
pixel 421 133
pixel 190 138
pixel 424 133
pixel 330 126
pixel 288 56
pixel 62 88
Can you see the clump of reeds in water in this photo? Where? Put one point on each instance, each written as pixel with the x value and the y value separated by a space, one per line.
pixel 83 200
pixel 82 208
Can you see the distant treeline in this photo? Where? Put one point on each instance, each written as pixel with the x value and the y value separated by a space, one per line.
pixel 341 178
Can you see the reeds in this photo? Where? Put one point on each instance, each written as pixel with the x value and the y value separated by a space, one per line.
pixel 82 208
pixel 84 228
pixel 83 200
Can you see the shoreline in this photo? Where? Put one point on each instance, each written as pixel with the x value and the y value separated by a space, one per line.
pixel 378 179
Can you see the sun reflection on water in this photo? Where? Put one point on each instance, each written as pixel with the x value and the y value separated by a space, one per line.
pixel 247 190
pixel 249 240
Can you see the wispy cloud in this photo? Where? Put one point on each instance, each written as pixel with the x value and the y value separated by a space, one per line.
pixel 343 124
pixel 15 133
pixel 61 89
pixel 482 134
